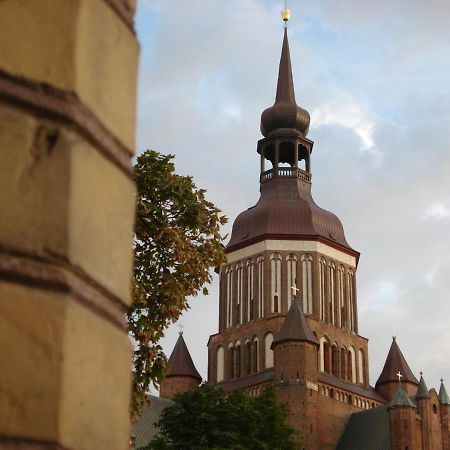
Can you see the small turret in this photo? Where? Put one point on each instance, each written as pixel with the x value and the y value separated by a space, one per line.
pixel 295 354
pixel 423 400
pixel 444 407
pixel 395 367
pixel 181 375
pixel 402 421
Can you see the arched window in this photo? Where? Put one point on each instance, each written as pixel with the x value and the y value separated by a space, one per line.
pixel 322 305
pixel 307 284
pixel 331 283
pixel 240 293
pixel 344 375
pixel 255 355
pixel 237 359
pixel 342 320
pixel 351 365
pixel 260 264
pixel 351 299
pixel 268 351
pixel 335 360
pixel 250 297
pixel 229 304
pixel 230 361
pixel 248 357
pixel 361 366
pixel 291 277
pixel 324 355
pixel 219 364
pixel 275 272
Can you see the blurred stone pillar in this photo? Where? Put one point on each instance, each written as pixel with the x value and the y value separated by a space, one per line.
pixel 67 127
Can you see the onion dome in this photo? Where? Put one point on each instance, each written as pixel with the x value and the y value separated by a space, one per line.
pixel 295 328
pixel 285 113
pixel 396 363
pixel 180 362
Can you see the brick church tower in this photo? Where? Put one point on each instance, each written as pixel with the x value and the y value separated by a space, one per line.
pixel 287 246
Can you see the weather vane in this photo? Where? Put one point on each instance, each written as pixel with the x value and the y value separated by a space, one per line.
pixel 285 14
pixel 180 328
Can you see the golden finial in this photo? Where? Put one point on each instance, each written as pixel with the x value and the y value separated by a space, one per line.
pixel 285 14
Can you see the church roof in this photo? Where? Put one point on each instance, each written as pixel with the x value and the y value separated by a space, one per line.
pixel 144 428
pixel 180 361
pixel 395 363
pixel 422 390
pixel 294 327
pixel 368 430
pixel 443 396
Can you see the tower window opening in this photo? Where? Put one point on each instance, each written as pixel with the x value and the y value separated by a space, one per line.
pixel 260 263
pixel 250 297
pixel 331 293
pixel 307 284
pixel 275 268
pixel 291 278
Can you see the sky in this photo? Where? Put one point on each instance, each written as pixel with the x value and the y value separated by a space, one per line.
pixel 375 78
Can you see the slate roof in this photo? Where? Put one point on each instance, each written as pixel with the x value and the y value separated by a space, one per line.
pixel 180 361
pixel 368 430
pixel 401 399
pixel 443 396
pixel 422 390
pixel 396 362
pixel 144 429
pixel 294 327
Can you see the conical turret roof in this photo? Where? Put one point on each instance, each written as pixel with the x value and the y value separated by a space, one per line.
pixel 401 399
pixel 395 363
pixel 422 390
pixel 443 396
pixel 180 361
pixel 294 327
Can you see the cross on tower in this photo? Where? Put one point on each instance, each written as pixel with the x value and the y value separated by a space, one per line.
pixel 294 289
pixel 399 376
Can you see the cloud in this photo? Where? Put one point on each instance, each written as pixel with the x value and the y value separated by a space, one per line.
pixel 437 210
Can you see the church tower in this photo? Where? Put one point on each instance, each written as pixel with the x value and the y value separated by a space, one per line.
pixel 286 246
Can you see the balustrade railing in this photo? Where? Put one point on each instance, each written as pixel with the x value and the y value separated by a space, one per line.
pixel 285 172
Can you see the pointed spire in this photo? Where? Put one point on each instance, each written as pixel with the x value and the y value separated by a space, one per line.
pixel 396 363
pixel 295 327
pixel 422 390
pixel 401 399
pixel 285 85
pixel 444 399
pixel 180 361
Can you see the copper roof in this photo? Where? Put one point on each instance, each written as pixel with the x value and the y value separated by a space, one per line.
pixel 395 363
pixel 286 210
pixel 422 390
pixel 294 327
pixel 180 361
pixel 443 396
pixel 285 113
pixel 401 399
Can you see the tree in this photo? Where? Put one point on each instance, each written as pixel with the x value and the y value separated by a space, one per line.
pixel 206 418
pixel 177 242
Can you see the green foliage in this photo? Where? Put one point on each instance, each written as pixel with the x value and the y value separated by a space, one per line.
pixel 177 242
pixel 206 418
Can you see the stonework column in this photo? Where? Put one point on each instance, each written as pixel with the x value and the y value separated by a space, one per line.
pixel 67 125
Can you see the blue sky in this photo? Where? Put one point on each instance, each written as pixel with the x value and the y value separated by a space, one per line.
pixel 375 78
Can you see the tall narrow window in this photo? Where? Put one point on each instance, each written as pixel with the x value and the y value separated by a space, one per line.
pixel 335 360
pixel 322 303
pixel 307 284
pixel 331 303
pixel 260 263
pixel 230 361
pixel 275 273
pixel 351 365
pixel 255 355
pixel 291 278
pixel 268 354
pixel 250 297
pixel 361 366
pixel 239 293
pixel 324 355
pixel 237 359
pixel 229 305
pixel 343 363
pixel 351 299
pixel 248 357
pixel 341 298
pixel 219 364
